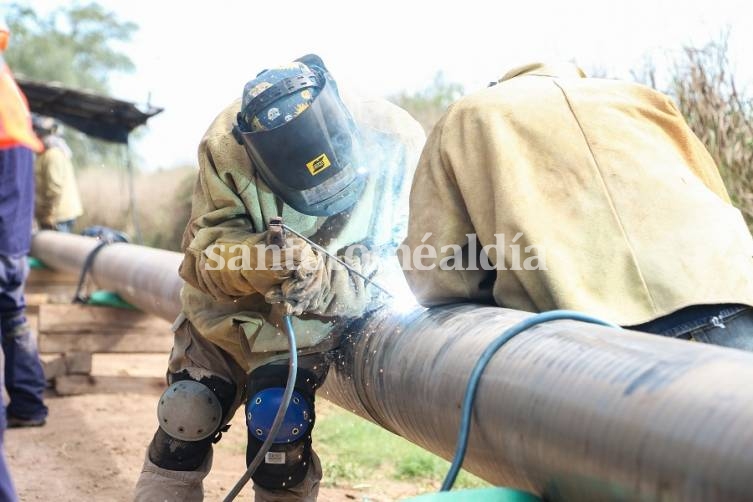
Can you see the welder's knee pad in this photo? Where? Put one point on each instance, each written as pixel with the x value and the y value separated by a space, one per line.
pixel 191 414
pixel 288 460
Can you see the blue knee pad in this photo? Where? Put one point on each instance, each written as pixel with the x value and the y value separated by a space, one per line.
pixel 286 463
pixel 261 410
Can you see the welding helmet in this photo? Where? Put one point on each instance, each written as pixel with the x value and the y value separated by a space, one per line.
pixel 301 137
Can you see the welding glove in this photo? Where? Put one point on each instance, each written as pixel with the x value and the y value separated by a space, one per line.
pixel 251 265
pixel 280 264
pixel 329 289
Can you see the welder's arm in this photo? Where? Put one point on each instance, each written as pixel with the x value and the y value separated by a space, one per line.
pixel 223 255
pixel 438 218
pixel 329 289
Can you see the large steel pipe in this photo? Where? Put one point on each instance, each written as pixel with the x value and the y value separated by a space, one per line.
pixel 145 277
pixel 569 410
pixel 572 411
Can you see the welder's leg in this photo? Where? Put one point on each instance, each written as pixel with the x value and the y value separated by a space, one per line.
pixel 156 483
pixel 291 471
pixel 305 491
pixel 174 469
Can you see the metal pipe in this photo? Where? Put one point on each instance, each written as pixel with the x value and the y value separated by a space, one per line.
pixel 568 410
pixel 572 411
pixel 147 278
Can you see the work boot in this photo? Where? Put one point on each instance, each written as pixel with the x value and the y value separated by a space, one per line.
pixel 17 422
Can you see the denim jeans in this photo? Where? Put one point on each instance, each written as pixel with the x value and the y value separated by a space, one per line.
pixel 65 226
pixel 727 325
pixel 7 491
pixel 24 378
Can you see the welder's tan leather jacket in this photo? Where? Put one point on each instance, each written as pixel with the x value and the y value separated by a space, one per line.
pixel 604 176
pixel 232 205
pixel 57 196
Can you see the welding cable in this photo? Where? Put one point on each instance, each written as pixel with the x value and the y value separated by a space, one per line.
pixel 78 296
pixel 470 392
pixel 338 260
pixel 281 411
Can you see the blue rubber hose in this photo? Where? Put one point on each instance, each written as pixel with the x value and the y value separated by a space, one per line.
pixel 281 411
pixel 470 392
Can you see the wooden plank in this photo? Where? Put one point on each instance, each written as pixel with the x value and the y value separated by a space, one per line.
pixel 71 385
pixel 72 318
pixel 123 341
pixel 78 363
pixel 33 319
pixel 74 385
pixel 34 300
pixel 57 293
pixel 53 368
pixel 47 276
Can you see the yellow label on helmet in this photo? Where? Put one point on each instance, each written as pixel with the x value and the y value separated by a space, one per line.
pixel 319 164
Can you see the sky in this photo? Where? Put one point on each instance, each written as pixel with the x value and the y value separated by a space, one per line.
pixel 193 58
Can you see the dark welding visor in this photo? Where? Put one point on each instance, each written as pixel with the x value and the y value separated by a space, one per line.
pixel 313 161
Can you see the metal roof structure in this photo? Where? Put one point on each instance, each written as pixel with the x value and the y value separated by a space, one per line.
pixel 93 114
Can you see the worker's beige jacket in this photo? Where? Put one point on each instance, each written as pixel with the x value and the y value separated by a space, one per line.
pixel 57 197
pixel 603 178
pixel 232 205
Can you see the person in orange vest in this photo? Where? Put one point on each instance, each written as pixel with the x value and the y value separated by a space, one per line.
pixel 19 365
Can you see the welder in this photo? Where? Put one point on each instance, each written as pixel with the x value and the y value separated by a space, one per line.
pixel 336 169
pixel 583 194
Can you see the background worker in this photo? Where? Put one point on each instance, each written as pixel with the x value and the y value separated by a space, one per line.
pixel 337 174
pixel 605 178
pixel 58 203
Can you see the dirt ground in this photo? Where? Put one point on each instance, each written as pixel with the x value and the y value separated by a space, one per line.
pixel 93 445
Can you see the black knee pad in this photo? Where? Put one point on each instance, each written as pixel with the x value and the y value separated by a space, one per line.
pixel 224 390
pixel 176 454
pixel 286 463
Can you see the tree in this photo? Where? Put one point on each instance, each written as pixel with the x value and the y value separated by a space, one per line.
pixel 428 105
pixel 72 45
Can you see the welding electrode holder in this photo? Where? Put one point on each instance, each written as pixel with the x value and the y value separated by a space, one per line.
pixel 276 232
pixel 276 236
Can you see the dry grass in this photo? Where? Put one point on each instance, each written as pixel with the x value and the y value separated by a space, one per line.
pixel 429 104
pixel 701 81
pixel 163 202
pixel 720 115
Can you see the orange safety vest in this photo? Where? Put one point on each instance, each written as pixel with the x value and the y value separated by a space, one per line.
pixel 15 119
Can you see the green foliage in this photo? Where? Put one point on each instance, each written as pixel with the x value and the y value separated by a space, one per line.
pixel 418 466
pixel 351 448
pixel 354 449
pixel 428 104
pixel 71 45
pixel 76 46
